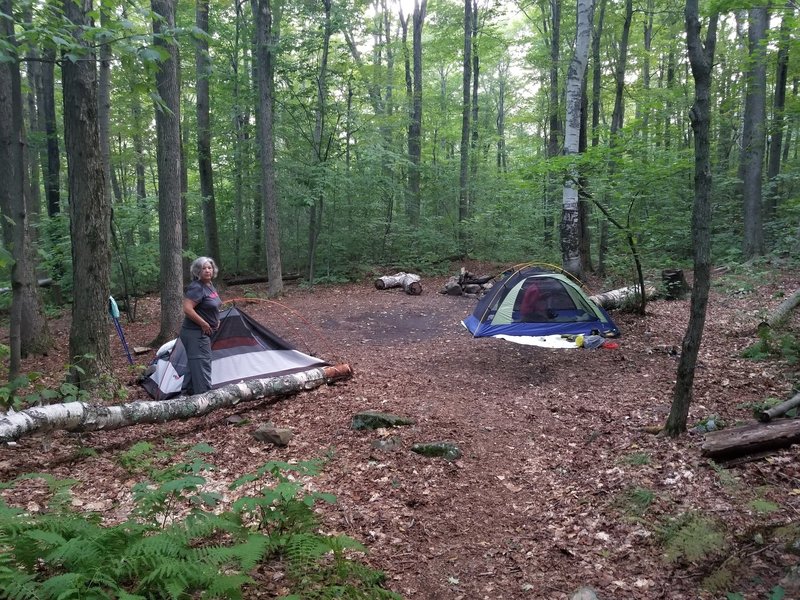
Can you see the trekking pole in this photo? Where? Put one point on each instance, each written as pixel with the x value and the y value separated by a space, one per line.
pixel 113 310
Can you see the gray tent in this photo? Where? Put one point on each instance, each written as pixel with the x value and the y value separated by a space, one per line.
pixel 241 349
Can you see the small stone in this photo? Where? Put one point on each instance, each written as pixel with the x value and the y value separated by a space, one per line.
pixel 371 419
pixel 386 444
pixel 446 450
pixel 273 435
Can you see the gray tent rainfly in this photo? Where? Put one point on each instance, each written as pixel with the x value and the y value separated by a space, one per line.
pixel 241 349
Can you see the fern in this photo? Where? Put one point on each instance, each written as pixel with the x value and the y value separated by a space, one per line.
pixel 61 554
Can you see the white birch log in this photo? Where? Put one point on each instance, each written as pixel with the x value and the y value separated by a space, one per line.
pixel 616 298
pixel 408 281
pixel 82 416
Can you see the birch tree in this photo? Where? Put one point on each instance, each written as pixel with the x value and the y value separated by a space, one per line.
pixel 570 226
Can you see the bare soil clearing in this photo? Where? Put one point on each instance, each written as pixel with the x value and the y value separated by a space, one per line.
pixel 554 442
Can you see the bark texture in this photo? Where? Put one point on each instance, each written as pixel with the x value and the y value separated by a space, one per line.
pixel 750 439
pixel 170 236
pixel 266 38
pixel 89 211
pixel 82 416
pixel 570 227
pixel 203 69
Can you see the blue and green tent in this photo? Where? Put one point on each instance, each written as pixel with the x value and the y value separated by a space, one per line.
pixel 530 301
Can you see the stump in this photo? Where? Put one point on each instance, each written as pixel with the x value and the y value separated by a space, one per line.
pixel 675 286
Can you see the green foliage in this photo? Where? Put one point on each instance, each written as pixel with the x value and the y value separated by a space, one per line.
pixel 692 537
pixel 62 554
pixel 763 506
pixel 784 346
pixel 758 407
pixel 637 459
pixel 635 501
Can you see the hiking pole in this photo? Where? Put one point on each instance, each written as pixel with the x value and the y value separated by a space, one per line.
pixel 113 310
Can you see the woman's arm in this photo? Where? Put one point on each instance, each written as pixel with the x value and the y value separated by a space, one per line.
pixel 189 311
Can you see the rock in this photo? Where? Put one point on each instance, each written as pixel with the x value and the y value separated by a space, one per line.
pixel 446 450
pixel 387 444
pixel 370 419
pixel 273 435
pixel 584 593
pixel 235 420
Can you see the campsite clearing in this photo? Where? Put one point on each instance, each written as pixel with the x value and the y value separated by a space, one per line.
pixel 561 483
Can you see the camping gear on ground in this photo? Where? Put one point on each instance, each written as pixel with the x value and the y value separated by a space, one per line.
pixel 241 349
pixel 529 304
pixel 113 310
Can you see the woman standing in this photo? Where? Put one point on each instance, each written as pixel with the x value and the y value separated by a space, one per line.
pixel 201 304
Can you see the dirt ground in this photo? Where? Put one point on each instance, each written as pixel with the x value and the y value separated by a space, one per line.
pixel 556 444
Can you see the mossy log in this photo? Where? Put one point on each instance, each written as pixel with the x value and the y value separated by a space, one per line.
pixel 751 439
pixel 781 313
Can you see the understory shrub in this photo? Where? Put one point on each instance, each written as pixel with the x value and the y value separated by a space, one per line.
pixel 180 541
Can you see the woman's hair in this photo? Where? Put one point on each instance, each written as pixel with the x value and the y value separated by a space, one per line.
pixel 198 264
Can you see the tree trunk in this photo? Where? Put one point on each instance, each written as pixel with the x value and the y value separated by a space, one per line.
pixel 90 213
pixel 266 25
pixel 463 180
pixel 206 171
pixel 750 439
pixel 570 227
pixel 319 154
pixel 28 331
pixel 752 158
pixel 415 124
pixel 778 106
pixel 81 416
pixel 618 115
pixel 169 169
pixel 52 160
pixel 701 57
pixel 555 133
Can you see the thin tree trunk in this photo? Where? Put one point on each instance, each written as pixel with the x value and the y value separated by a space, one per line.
pixel 206 171
pixel 47 102
pixel 701 56
pixel 319 155
pixel 778 106
pixel 554 118
pixel 266 25
pixel 415 126
pixel 463 187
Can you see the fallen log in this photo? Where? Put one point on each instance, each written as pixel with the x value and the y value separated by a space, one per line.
pixel 779 409
pixel 750 439
pixel 781 312
pixel 619 297
pixel 408 281
pixel 248 279
pixel 82 416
